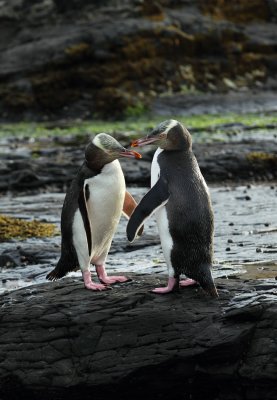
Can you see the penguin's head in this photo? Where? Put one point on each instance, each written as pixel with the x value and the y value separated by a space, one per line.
pixel 105 149
pixel 168 135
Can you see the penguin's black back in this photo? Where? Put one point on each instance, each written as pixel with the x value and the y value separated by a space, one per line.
pixel 189 212
pixel 73 201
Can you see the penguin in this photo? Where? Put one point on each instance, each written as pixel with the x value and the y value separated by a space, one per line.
pixel 91 211
pixel 180 199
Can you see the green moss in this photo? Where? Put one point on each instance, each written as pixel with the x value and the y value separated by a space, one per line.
pixel 18 228
pixel 137 110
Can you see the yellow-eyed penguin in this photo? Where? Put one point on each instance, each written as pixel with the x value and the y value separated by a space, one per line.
pixel 180 199
pixel 91 211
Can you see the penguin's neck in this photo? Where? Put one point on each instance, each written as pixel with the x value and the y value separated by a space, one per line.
pixel 97 160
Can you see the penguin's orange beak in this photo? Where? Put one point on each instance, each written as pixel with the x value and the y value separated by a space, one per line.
pixel 144 141
pixel 130 154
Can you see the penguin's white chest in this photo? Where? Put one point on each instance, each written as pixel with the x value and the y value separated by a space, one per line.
pixel 161 216
pixel 155 168
pixel 104 205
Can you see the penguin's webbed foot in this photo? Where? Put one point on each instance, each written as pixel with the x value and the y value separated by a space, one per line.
pixel 92 285
pixel 172 285
pixel 108 280
pixel 96 286
pixel 187 282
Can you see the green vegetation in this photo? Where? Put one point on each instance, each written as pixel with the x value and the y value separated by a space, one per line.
pixel 134 125
pixel 136 111
pixel 14 227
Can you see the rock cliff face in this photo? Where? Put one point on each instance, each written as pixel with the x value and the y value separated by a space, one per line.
pixel 81 58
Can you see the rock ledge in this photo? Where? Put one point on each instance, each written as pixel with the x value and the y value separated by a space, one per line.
pixel 60 341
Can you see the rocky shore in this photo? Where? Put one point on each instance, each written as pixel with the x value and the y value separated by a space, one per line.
pixel 60 341
pixel 63 61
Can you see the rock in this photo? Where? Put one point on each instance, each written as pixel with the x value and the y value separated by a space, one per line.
pixel 58 340
pixel 97 57
pixel 8 260
pixel 215 103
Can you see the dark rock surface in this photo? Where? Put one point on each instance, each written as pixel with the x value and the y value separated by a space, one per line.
pixel 61 341
pixel 215 103
pixel 79 58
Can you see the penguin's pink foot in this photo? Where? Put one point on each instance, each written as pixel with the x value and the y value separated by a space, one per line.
pixel 96 286
pixel 104 278
pixel 187 282
pixel 91 285
pixel 114 279
pixel 172 285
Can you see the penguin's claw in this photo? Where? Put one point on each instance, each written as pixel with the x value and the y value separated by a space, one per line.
pixel 187 282
pixel 108 280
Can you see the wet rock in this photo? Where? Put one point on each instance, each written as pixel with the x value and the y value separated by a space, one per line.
pixel 61 341
pixel 8 261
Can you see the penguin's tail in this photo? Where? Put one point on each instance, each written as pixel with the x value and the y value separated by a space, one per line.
pixel 58 272
pixel 68 262
pixel 211 290
pixel 206 280
pixel 53 275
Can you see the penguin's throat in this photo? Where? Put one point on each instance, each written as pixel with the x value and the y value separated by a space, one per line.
pixel 97 163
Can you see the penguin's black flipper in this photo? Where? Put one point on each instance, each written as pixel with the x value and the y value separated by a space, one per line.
pixel 155 198
pixel 82 201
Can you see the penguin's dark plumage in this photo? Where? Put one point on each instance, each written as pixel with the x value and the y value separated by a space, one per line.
pixel 91 211
pixel 180 198
pixel 69 261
